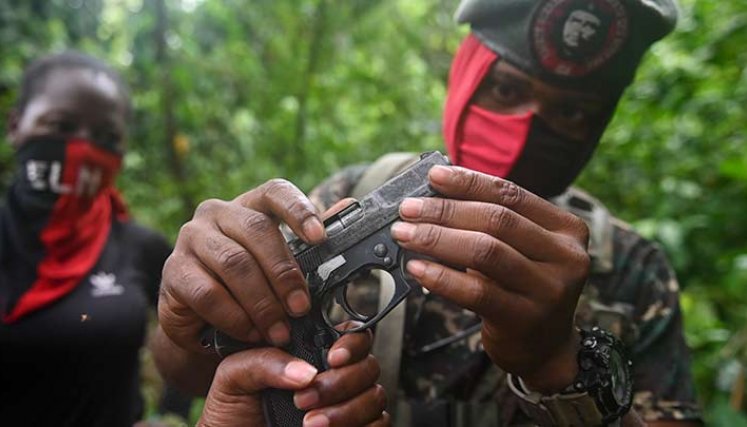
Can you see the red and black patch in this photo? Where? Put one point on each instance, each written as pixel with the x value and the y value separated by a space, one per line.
pixel 575 37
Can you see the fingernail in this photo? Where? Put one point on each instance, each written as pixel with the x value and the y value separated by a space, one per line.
pixel 403 231
pixel 416 268
pixel 306 399
pixel 441 174
pixel 338 356
pixel 318 420
pixel 411 207
pixel 313 229
pixel 279 333
pixel 300 372
pixel 298 302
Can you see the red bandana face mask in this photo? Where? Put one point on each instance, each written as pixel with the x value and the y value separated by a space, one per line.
pixel 60 210
pixel 490 142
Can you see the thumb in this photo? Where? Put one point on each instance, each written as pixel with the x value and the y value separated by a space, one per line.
pixel 234 400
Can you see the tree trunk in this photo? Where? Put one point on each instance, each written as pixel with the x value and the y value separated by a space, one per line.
pixel 312 61
pixel 167 108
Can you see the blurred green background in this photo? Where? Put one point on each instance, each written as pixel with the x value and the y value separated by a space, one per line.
pixel 230 93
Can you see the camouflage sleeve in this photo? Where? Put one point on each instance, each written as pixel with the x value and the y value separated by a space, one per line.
pixel 663 384
pixel 336 187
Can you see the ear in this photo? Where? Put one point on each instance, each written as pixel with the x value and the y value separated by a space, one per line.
pixel 13 120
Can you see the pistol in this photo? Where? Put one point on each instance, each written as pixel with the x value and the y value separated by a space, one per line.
pixel 358 240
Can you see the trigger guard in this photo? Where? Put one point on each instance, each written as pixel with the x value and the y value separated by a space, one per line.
pixel 401 297
pixel 400 294
pixel 340 298
pixel 343 301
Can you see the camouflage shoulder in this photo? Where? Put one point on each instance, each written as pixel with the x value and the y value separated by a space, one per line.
pixel 337 187
pixel 632 284
pixel 600 223
pixel 636 296
pixel 611 239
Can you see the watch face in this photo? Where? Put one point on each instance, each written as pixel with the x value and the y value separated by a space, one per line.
pixel 620 383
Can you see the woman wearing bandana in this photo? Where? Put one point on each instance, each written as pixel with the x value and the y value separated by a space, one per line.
pixel 544 310
pixel 78 276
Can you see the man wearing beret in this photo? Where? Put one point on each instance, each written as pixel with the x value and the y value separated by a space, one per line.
pixel 542 308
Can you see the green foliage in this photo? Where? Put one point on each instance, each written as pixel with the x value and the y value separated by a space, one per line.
pixel 229 93
pixel 675 156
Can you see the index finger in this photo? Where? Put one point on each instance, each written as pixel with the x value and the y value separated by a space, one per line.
pixel 461 183
pixel 281 199
pixel 350 348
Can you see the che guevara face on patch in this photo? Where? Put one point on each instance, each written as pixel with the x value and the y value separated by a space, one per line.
pixel 576 37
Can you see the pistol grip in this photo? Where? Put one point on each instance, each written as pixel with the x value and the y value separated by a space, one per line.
pixel 310 340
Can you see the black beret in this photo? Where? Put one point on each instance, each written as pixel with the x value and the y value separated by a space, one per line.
pixel 577 44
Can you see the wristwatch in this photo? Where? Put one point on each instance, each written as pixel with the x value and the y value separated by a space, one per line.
pixel 600 395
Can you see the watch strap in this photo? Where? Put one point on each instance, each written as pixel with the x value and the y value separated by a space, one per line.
pixel 560 409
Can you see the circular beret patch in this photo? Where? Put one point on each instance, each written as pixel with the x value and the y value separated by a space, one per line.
pixel 575 37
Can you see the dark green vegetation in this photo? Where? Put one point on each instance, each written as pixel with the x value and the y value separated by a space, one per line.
pixel 230 93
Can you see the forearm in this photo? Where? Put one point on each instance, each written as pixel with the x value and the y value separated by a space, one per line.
pixel 188 371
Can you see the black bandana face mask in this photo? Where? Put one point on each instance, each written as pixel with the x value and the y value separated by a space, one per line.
pixel 51 167
pixel 39 173
pixel 550 162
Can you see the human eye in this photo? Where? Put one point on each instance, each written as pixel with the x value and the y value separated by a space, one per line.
pixel 574 114
pixel 62 125
pixel 110 138
pixel 507 92
pixel 577 111
pixel 574 120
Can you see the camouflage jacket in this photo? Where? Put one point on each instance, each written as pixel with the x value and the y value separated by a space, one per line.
pixel 632 292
